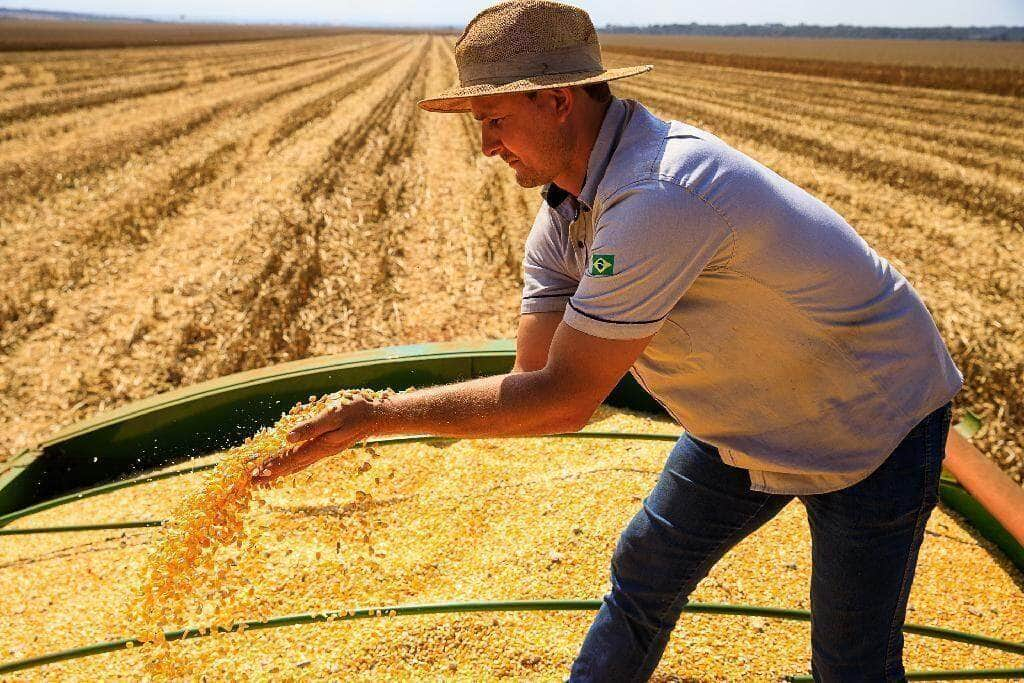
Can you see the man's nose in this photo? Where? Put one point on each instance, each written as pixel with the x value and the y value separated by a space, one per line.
pixel 489 143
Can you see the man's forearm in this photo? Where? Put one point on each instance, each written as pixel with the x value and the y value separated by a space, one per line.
pixel 518 404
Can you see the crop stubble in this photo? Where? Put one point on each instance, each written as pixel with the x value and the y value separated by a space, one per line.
pixel 287 198
pixel 120 207
pixel 982 66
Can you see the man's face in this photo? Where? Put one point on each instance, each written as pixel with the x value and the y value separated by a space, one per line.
pixel 529 134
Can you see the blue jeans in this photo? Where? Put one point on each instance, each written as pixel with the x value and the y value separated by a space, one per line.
pixel 864 545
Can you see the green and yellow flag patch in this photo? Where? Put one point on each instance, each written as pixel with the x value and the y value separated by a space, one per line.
pixel 602 265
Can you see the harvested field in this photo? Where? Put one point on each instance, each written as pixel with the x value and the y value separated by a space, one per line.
pixel 981 54
pixel 171 214
pixel 55 34
pixel 999 79
pixel 446 521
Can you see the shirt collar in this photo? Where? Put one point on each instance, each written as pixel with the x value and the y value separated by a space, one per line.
pixel 600 156
pixel 553 195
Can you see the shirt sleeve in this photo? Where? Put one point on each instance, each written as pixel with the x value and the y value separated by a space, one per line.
pixel 652 239
pixel 547 282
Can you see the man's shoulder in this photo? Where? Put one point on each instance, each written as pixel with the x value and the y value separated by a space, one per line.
pixel 654 149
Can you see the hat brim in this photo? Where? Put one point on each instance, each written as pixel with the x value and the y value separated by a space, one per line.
pixel 455 100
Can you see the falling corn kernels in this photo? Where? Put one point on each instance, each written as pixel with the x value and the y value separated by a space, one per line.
pixel 211 518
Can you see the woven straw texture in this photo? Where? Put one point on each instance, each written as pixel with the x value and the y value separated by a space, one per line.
pixel 525 45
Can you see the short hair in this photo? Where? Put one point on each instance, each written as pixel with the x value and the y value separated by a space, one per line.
pixel 599 92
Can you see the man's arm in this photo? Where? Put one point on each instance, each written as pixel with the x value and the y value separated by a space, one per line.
pixel 533 339
pixel 580 372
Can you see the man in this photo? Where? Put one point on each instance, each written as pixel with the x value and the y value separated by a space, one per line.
pixel 798 360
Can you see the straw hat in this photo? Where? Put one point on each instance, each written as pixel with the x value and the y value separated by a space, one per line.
pixel 525 45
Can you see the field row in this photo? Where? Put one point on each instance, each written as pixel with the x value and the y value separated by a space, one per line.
pixel 989 54
pixel 990 79
pixel 50 34
pixel 863 144
pixel 150 179
pixel 62 151
pixel 305 216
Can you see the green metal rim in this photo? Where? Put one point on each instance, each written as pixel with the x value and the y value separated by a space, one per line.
pixel 220 413
pixel 151 432
pixel 445 362
pixel 146 479
pixel 133 524
pixel 320 364
pixel 498 606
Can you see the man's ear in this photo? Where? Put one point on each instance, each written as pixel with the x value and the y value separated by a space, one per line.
pixel 558 101
pixel 564 100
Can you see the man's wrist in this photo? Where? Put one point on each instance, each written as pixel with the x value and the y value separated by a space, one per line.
pixel 379 418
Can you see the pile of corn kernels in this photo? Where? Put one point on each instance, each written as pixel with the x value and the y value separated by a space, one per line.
pixel 490 519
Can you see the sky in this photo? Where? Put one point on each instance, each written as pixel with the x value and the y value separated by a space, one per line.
pixel 458 12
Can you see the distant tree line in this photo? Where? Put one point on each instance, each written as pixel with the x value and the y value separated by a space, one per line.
pixel 1004 33
pixel 16 13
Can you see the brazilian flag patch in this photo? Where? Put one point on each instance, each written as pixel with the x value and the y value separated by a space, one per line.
pixel 602 265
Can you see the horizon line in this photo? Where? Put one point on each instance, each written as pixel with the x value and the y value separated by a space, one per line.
pixel 185 19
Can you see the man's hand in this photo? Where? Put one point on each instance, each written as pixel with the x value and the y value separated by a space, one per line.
pixel 330 432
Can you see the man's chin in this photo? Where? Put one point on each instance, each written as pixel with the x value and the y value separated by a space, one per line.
pixel 528 180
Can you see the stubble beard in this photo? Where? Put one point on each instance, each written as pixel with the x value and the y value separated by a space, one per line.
pixel 527 177
pixel 555 148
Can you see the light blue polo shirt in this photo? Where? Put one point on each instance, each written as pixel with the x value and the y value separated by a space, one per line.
pixel 780 336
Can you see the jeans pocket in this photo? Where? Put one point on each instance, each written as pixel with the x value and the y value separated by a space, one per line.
pixel 906 481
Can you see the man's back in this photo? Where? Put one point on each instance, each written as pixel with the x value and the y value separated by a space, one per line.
pixel 780 336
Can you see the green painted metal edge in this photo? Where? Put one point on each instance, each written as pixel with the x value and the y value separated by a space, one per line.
pixel 968 425
pixel 946 675
pixel 109 526
pixel 218 414
pixel 957 498
pixel 14 486
pixel 281 371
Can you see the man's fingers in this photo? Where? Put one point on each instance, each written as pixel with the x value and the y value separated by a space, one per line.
pixel 314 449
pixel 296 458
pixel 280 466
pixel 324 422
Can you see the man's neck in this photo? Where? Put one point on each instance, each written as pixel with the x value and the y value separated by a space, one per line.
pixel 574 177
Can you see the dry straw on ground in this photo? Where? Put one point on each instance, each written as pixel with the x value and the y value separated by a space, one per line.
pixel 171 214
